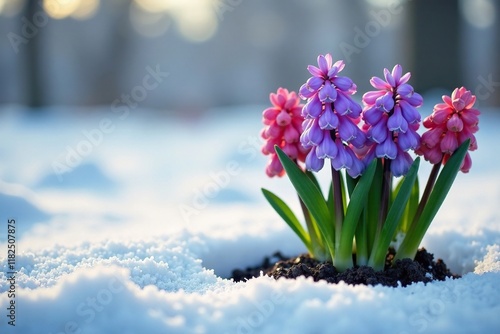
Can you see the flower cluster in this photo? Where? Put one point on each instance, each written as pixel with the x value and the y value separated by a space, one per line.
pixel 450 124
pixel 392 119
pixel 331 117
pixel 283 125
pixel 367 211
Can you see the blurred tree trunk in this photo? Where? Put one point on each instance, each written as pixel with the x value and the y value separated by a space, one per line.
pixel 32 58
pixel 435 26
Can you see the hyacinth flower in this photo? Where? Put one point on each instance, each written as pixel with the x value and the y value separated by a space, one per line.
pixel 283 125
pixel 391 123
pixel 393 120
pixel 331 118
pixel 282 129
pixel 450 136
pixel 330 131
pixel 450 124
pixel 362 211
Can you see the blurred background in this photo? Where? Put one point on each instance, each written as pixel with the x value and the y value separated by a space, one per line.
pixel 234 52
pixel 146 114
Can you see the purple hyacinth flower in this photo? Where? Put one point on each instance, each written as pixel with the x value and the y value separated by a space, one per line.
pixel 392 119
pixel 331 118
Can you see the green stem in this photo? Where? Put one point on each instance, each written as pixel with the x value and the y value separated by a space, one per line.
pixel 338 206
pixel 427 192
pixel 362 240
pixel 385 196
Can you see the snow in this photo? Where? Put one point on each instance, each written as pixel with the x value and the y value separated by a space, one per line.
pixel 141 235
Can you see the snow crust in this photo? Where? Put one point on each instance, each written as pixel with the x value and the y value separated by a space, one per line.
pixel 142 234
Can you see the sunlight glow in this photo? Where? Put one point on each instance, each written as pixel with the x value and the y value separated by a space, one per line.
pixel 11 8
pixel 478 13
pixel 196 20
pixel 149 24
pixel 78 9
pixel 86 9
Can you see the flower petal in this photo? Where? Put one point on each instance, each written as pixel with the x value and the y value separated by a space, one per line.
pixel 415 99
pixel 342 83
pixel 313 108
pixel 408 140
pixel 327 148
pixel 405 90
pixel 387 149
pixel 401 165
pixel 328 93
pixel 306 92
pixel 433 136
pixel 396 73
pixel 283 118
pixel 385 102
pixel 372 115
pixel 328 120
pixel 314 71
pixel 449 143
pixel 339 64
pixel 466 164
pixel 389 78
pixel 291 135
pixel 370 97
pixel 357 167
pixel 343 159
pixel 396 121
pixel 270 113
pixel 323 64
pixel 410 113
pixel 405 78
pixel 455 124
pixel 313 163
pixel 378 83
pixel 468 117
pixel 346 129
pixel 379 132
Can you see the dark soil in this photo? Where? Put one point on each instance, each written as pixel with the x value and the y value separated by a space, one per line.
pixel 404 272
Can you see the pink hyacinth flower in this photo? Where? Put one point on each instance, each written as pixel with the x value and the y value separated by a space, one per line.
pixel 450 124
pixel 283 126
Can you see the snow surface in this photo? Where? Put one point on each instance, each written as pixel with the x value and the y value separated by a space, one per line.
pixel 141 235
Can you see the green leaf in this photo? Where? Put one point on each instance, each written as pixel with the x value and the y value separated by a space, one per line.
pixel 351 184
pixel 410 244
pixel 313 178
pixel 379 252
pixel 373 206
pixel 310 195
pixel 343 257
pixel 411 208
pixel 288 216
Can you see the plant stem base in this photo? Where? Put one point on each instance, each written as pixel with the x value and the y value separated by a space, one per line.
pixel 404 272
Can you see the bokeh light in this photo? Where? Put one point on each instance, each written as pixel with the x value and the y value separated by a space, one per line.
pixel 78 9
pixel 196 20
pixel 11 8
pixel 478 13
